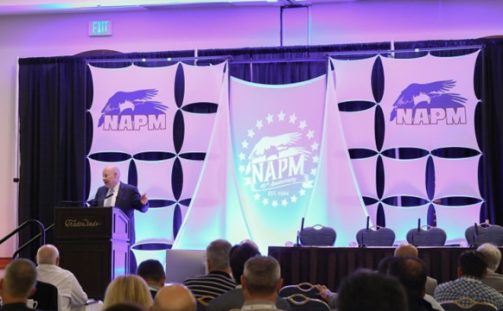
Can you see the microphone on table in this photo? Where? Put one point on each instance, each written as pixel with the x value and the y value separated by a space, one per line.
pixel 300 232
pixel 363 234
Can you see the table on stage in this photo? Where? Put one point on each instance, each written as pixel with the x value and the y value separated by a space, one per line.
pixel 330 265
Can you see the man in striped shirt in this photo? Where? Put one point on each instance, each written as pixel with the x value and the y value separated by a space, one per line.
pixel 219 279
pixel 471 269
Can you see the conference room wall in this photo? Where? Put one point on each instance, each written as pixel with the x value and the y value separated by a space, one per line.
pixel 217 27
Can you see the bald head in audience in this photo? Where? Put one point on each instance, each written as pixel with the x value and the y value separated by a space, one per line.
pixel 409 250
pixel 48 254
pixel 492 255
pixel 406 250
pixel 174 297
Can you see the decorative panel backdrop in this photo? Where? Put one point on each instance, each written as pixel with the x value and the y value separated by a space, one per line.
pixel 410 128
pixel 154 123
pixel 386 137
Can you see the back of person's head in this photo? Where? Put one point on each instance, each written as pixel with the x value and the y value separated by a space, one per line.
pixel 411 272
pixel 366 290
pixel 472 263
pixel 406 250
pixel 128 289
pixel 261 276
pixel 151 270
pixel 492 255
pixel 217 255
pixel 174 297
pixel 383 265
pixel 47 254
pixel 239 255
pixel 125 307
pixel 19 279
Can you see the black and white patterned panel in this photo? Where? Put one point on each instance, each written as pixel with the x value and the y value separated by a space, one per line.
pixel 410 129
pixel 161 148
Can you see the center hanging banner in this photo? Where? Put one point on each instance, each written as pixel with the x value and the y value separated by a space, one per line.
pixel 276 136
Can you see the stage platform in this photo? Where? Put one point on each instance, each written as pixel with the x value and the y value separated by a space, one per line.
pixel 330 265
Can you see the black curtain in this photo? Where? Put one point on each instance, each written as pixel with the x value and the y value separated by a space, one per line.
pixel 491 129
pixel 52 109
pixel 281 65
pixel 54 94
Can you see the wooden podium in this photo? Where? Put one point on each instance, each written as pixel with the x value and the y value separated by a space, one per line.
pixel 93 244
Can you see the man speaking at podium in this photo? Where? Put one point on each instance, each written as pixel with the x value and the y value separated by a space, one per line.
pixel 124 196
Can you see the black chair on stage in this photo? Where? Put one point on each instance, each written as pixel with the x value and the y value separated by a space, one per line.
pixel 426 236
pixel 306 289
pixel 375 236
pixel 467 304
pixel 300 302
pixel 317 235
pixel 484 233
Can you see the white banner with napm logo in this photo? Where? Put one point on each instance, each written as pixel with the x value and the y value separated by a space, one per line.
pixel 133 109
pixel 276 136
pixel 430 102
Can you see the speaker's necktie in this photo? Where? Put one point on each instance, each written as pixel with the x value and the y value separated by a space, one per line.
pixel 108 198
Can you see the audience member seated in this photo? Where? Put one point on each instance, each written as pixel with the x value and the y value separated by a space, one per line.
pixel 410 250
pixel 261 281
pixel 17 285
pixel 130 289
pixel 174 297
pixel 234 298
pixel 219 279
pixel 492 256
pixel 153 273
pixel 125 307
pixel 366 290
pixel 383 267
pixel 471 269
pixel 239 255
pixel 70 293
pixel 411 273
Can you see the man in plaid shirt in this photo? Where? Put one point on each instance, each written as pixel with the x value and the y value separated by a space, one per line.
pixel 471 269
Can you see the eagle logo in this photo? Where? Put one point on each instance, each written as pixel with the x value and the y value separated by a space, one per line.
pixel 275 147
pixel 278 160
pixel 429 95
pixel 132 103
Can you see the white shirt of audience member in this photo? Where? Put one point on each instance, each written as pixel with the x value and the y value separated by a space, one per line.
pixel 70 293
